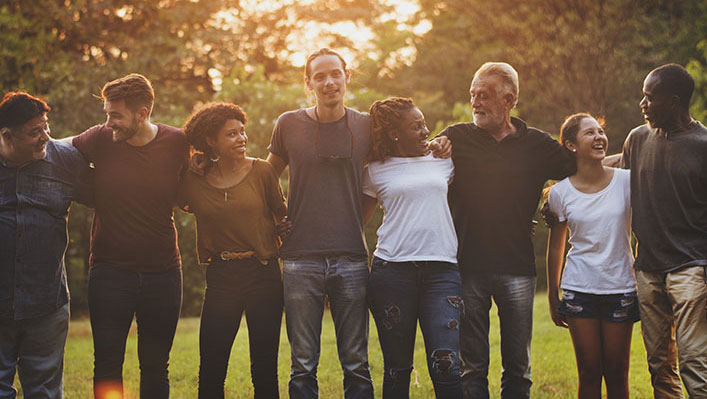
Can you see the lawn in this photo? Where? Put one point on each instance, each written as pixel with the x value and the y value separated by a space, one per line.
pixel 554 371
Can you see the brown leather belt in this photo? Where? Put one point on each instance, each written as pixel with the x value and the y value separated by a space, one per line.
pixel 235 255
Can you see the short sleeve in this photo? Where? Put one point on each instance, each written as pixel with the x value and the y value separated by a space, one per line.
pixel 368 187
pixel 87 142
pixel 450 171
pixel 626 153
pixel 277 142
pixel 556 205
pixel 183 193
pixel 560 162
pixel 273 191
pixel 81 174
pixel 84 190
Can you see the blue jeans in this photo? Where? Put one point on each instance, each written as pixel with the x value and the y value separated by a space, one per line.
pixel 514 298
pixel 115 296
pixel 307 280
pixel 401 293
pixel 35 348
pixel 233 288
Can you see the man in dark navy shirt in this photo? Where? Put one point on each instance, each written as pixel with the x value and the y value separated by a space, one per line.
pixel 501 165
pixel 39 177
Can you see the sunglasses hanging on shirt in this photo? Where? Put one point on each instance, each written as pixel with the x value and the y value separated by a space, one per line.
pixel 333 143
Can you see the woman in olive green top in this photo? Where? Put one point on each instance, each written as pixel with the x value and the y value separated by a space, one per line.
pixel 236 204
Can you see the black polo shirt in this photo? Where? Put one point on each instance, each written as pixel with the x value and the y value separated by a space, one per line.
pixel 668 197
pixel 495 193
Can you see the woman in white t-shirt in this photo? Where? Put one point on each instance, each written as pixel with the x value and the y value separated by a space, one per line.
pixel 414 274
pixel 599 303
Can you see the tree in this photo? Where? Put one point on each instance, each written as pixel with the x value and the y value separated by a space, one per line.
pixel 580 55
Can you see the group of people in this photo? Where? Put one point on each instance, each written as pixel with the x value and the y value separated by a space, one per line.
pixel 456 235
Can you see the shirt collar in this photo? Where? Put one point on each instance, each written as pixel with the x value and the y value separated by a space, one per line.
pixel 520 125
pixel 48 157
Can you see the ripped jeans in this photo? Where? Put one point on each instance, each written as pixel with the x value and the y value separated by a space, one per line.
pixel 400 293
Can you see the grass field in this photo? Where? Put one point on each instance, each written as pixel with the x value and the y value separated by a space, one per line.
pixel 554 370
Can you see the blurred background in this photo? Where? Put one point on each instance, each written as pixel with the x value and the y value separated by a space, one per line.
pixel 571 55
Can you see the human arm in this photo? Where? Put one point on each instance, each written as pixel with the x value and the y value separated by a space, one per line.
pixel 555 256
pixel 67 140
pixel 278 163
pixel 368 205
pixel 613 161
pixel 441 147
pixel 276 202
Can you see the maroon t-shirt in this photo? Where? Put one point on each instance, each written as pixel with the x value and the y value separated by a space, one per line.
pixel 136 189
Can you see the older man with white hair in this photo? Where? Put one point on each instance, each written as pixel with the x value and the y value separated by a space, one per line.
pixel 501 165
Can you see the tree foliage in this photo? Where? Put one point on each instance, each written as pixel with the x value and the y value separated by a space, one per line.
pixel 572 55
pixel 579 55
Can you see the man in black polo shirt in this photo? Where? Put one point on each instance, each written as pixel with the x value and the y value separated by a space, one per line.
pixel 668 162
pixel 501 165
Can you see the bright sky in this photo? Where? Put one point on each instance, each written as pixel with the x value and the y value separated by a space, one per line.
pixel 301 44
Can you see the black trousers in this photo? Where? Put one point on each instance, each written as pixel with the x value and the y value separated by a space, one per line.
pixel 232 288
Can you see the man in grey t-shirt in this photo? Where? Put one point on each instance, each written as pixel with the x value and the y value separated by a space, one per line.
pixel 668 162
pixel 325 254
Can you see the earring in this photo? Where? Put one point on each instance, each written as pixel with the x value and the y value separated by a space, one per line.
pixel 396 139
pixel 574 150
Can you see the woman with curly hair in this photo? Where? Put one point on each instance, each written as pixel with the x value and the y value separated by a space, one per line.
pixel 236 204
pixel 414 274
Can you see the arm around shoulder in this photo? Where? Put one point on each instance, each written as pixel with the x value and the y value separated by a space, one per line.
pixel 278 163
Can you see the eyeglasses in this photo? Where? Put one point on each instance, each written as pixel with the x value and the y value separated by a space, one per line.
pixel 332 145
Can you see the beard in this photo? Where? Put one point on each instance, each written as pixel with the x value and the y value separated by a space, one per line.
pixel 125 133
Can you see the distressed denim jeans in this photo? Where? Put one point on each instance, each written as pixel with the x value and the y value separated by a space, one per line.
pixel 400 294
pixel 307 281
pixel 115 296
pixel 35 348
pixel 513 296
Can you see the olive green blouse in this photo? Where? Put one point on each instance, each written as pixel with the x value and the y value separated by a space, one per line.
pixel 238 218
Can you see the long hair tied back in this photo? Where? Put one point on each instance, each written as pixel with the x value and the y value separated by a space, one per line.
pixel 385 118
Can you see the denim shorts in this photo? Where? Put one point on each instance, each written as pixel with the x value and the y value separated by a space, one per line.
pixel 613 307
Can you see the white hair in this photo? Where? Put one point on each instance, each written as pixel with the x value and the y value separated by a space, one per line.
pixel 506 72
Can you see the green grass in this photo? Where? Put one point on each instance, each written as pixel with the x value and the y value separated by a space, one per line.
pixel 554 369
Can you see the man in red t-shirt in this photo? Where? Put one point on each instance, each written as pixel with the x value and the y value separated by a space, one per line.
pixel 135 263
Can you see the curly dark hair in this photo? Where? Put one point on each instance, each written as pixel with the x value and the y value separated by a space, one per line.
pixel 207 122
pixel 385 117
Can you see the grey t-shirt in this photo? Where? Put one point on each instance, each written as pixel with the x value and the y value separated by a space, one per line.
pixel 668 197
pixel 326 169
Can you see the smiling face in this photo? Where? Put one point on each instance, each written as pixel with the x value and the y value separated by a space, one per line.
pixel 411 134
pixel 591 141
pixel 328 80
pixel 121 120
pixel 29 142
pixel 491 105
pixel 230 142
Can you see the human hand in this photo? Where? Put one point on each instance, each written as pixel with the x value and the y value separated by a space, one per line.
pixel 283 227
pixel 198 164
pixel 549 217
pixel 557 318
pixel 441 147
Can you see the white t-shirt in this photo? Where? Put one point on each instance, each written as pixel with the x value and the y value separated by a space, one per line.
pixel 417 224
pixel 600 259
